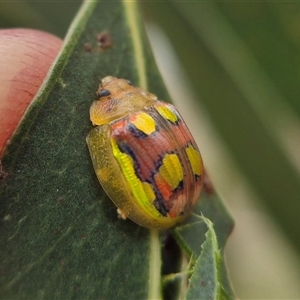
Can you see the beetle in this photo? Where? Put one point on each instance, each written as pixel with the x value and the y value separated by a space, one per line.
pixel 144 155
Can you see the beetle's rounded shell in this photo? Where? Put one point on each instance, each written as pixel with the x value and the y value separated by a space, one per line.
pixel 144 155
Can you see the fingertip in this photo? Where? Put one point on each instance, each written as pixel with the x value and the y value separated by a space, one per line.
pixel 25 58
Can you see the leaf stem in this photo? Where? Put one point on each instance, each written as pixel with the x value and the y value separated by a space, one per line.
pixel 154 266
pixel 173 276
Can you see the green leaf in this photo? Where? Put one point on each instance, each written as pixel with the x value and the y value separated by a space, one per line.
pixel 210 206
pixel 193 237
pixel 205 283
pixel 60 235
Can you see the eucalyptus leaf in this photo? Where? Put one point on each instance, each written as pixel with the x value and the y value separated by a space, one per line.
pixel 193 237
pixel 205 283
pixel 60 236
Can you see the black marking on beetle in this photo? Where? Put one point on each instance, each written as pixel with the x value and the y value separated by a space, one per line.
pixel 125 148
pixel 176 123
pixel 160 202
pixel 136 132
pixel 198 177
pixel 103 93
pixel 160 206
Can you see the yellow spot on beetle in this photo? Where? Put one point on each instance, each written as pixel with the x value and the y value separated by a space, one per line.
pixel 194 159
pixel 144 123
pixel 165 112
pixel 171 170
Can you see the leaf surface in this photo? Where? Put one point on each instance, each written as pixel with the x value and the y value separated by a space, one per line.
pixel 206 281
pixel 60 235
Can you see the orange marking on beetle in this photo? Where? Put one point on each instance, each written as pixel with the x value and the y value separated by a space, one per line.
pixel 163 186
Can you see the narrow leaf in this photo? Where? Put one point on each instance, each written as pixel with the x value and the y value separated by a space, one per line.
pixel 60 236
pixel 192 236
pixel 205 283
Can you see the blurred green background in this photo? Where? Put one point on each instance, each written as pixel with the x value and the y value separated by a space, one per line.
pixel 233 69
